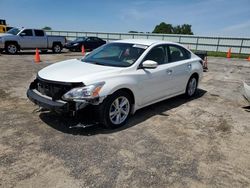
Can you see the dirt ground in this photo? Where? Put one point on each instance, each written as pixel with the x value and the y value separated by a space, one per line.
pixel 204 142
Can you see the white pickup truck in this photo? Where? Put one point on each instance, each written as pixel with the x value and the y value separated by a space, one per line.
pixel 24 39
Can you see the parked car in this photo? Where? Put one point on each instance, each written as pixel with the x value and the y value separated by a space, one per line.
pixel 89 43
pixel 22 39
pixel 117 79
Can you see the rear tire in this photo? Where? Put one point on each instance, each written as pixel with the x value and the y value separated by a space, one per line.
pixel 191 88
pixel 11 48
pixel 115 110
pixel 57 48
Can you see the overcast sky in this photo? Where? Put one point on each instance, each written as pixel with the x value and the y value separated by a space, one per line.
pixel 207 17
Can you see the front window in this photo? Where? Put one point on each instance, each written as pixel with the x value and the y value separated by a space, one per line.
pixel 158 54
pixel 116 54
pixel 14 31
pixel 27 32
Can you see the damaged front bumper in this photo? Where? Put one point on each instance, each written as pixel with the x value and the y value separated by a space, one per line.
pixel 49 95
pixel 59 106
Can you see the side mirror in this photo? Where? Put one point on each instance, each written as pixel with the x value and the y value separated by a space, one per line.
pixel 22 34
pixel 149 64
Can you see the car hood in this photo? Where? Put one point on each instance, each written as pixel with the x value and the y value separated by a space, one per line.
pixel 75 70
pixel 5 34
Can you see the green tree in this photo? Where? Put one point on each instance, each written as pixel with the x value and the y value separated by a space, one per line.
pixel 47 28
pixel 177 29
pixel 186 29
pixel 163 28
pixel 135 32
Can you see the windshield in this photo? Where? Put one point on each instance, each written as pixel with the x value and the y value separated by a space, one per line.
pixel 79 39
pixel 116 54
pixel 14 31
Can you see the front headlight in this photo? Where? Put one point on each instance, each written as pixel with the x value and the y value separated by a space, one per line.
pixel 84 93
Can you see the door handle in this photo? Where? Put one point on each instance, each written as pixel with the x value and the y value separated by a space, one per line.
pixel 169 71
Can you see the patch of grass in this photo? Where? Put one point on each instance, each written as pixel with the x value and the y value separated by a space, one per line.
pixel 224 54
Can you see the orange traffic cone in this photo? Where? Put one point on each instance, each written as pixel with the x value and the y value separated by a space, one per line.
pixel 248 59
pixel 37 56
pixel 83 50
pixel 229 53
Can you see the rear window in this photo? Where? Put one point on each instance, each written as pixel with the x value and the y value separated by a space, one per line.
pixel 177 53
pixel 39 33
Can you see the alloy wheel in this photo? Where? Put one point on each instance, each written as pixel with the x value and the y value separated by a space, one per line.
pixel 119 110
pixel 57 48
pixel 12 48
pixel 192 85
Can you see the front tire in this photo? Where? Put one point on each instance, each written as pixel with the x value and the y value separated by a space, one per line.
pixel 115 110
pixel 11 48
pixel 191 88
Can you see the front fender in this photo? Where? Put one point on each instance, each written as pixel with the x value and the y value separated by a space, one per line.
pixel 117 83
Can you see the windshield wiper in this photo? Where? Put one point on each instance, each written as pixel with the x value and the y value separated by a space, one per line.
pixel 98 63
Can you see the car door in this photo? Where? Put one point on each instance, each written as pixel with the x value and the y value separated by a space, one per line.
pixel 40 39
pixel 94 42
pixel 154 83
pixel 178 68
pixel 26 39
pixel 89 43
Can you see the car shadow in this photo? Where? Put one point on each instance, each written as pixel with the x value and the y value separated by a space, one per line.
pixel 74 126
pixel 246 108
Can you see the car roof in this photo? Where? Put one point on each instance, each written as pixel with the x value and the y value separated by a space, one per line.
pixel 147 42
pixel 23 28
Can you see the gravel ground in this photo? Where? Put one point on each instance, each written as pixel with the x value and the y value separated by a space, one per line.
pixel 204 142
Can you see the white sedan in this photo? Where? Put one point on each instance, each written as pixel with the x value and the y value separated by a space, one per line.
pixel 117 79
